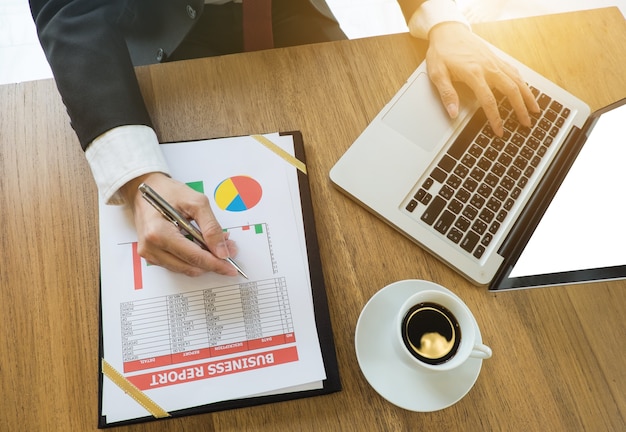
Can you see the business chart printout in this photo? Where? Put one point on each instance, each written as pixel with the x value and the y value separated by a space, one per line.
pixel 187 342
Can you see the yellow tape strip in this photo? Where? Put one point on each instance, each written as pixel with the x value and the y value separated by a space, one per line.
pixel 130 389
pixel 282 153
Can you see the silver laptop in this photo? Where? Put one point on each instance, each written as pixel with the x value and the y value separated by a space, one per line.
pixel 452 186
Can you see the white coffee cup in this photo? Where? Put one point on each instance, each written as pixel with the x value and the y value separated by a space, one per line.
pixel 436 331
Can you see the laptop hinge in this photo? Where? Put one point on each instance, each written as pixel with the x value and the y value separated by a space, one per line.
pixel 538 203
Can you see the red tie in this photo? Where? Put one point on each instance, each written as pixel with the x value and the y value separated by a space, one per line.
pixel 257 25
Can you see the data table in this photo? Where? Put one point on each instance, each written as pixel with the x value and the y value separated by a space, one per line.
pixel 207 323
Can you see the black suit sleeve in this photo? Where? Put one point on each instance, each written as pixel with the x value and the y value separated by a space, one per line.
pixel 85 46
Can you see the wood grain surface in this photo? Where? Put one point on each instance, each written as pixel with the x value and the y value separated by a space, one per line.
pixel 558 362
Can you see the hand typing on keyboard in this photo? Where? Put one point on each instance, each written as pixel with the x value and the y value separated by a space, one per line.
pixel 456 54
pixel 468 196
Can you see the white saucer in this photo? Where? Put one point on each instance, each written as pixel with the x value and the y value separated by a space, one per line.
pixel 406 387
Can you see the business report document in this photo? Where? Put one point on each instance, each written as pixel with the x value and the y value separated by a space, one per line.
pixel 184 342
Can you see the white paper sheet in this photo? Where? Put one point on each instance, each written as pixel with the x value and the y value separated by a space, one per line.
pixel 187 341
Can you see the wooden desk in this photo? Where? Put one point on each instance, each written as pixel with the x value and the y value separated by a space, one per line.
pixel 559 353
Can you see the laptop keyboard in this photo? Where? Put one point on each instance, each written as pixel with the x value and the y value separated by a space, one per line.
pixel 469 194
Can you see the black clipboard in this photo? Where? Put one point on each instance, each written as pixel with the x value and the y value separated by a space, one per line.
pixel 331 384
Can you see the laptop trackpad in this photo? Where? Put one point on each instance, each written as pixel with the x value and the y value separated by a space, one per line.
pixel 418 114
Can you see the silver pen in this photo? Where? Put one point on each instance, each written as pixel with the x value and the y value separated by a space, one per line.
pixel 171 214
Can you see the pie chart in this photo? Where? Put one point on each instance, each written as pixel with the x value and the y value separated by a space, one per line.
pixel 238 193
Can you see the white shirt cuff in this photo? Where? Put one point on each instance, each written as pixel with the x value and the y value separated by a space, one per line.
pixel 122 154
pixel 433 12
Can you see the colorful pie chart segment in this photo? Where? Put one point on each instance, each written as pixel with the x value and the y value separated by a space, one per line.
pixel 238 193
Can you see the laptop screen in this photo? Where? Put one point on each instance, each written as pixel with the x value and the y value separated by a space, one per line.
pixel 582 235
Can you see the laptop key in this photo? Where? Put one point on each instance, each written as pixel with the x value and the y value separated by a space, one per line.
pixel 455 235
pixel 492 180
pixel 447 163
pixel 498 144
pixel 462 223
pixel 475 151
pixel 470 241
pixel 454 181
pixel 543 101
pixel 511 125
pixel 468 160
pixel 556 106
pixel 470 184
pixel 433 210
pixel 550 116
pixel 470 212
pixel 501 193
pixel 486 215
pixel 461 171
pixel 523 131
pixel 463 195
pixel 439 175
pixel 482 141
pixel 501 215
pixel 535 161
pixel 455 206
pixel 494 204
pixel 447 192
pixel 479 226
pixel 420 194
pixel 411 205
pixel 484 164
pixel 539 133
pixel 445 222
pixel 514 172
pixel 495 226
pixel 498 169
pixel 477 201
pixel 477 174
pixel 507 183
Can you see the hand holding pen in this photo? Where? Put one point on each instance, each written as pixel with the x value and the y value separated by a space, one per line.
pixel 161 243
pixel 171 214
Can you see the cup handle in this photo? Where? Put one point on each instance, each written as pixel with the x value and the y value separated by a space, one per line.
pixel 481 351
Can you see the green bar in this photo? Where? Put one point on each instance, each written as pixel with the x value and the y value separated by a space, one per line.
pixel 258 229
pixel 198 186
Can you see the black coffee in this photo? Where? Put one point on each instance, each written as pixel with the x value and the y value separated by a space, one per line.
pixel 431 333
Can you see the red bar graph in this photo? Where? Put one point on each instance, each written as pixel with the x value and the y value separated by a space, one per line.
pixel 137 276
